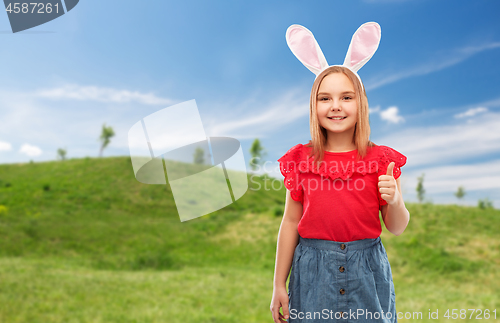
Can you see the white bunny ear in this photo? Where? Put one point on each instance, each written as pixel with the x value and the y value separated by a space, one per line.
pixel 305 47
pixel 364 44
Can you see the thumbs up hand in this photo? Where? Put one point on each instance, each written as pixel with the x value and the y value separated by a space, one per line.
pixel 388 187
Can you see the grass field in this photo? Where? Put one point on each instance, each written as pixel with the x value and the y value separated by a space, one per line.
pixel 83 241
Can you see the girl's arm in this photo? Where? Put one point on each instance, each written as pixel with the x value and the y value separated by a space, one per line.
pixel 394 213
pixel 288 238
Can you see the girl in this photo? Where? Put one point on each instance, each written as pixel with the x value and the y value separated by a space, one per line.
pixel 336 186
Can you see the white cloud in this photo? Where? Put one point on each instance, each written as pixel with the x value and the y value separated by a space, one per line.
pixel 460 154
pixel 436 63
pixel 477 176
pixel 28 117
pixel 481 179
pixel 373 110
pixel 250 123
pixel 101 94
pixel 391 115
pixel 5 146
pixel 445 145
pixel 50 125
pixel 30 150
pixel 471 112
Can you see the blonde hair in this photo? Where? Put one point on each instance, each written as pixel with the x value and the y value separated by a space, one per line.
pixel 361 129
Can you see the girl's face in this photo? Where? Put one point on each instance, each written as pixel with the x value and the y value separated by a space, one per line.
pixel 336 98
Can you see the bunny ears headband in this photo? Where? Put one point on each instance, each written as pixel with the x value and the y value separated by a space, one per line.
pixel 364 44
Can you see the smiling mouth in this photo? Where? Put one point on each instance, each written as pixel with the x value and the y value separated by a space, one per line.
pixel 336 118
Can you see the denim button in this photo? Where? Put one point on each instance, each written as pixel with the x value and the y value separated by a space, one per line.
pixel 342 291
pixel 341 269
pixel 342 246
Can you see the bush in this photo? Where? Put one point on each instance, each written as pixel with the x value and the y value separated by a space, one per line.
pixel 277 211
pixel 485 204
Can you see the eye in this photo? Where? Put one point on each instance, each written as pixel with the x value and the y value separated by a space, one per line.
pixel 347 97
pixel 323 99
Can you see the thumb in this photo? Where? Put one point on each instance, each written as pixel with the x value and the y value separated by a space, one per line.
pixel 390 168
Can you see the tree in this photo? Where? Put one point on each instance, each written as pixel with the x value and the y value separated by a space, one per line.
pixel 107 132
pixel 420 188
pixel 198 155
pixel 61 154
pixel 460 193
pixel 257 153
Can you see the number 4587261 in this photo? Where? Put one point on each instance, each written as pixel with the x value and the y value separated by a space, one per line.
pixel 32 7
pixel 481 314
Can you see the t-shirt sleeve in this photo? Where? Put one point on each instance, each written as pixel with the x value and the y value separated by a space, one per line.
pixel 289 164
pixel 388 155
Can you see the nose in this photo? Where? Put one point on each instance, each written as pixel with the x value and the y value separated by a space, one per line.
pixel 336 106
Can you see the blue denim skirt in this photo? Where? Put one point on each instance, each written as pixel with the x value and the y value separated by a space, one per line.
pixel 335 281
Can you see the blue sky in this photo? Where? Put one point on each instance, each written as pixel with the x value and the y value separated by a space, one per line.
pixel 433 84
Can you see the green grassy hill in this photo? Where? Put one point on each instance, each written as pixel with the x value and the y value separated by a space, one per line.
pixel 83 241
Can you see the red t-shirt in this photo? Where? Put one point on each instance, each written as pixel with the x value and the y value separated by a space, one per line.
pixel 341 201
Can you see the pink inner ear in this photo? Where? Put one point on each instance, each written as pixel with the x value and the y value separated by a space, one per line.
pixel 304 47
pixel 364 44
